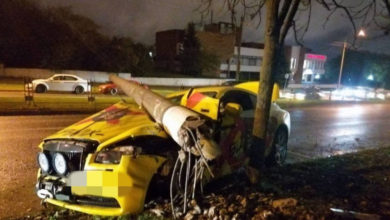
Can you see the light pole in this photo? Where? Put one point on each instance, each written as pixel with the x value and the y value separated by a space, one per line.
pixel 360 34
pixel 342 64
pixel 286 76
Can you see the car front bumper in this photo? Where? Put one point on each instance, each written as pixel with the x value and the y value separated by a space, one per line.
pixel 102 189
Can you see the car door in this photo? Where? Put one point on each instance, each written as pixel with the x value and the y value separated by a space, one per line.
pixel 55 83
pixel 235 130
pixel 69 83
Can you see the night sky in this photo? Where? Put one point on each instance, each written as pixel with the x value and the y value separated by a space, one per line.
pixel 140 19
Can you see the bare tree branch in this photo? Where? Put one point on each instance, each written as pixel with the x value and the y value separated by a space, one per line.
pixel 288 20
pixel 296 35
pixel 328 17
pixel 307 21
pixel 323 3
pixel 204 7
pixel 284 11
pixel 387 4
pixel 334 5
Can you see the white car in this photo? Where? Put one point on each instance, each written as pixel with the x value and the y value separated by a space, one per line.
pixel 61 82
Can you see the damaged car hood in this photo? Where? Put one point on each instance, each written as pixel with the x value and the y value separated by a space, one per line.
pixel 116 122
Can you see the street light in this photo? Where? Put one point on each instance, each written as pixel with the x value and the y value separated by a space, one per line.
pixel 360 34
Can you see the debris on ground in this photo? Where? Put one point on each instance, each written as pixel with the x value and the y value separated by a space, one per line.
pixel 350 186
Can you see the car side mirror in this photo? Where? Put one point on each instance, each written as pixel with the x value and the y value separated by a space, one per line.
pixel 233 109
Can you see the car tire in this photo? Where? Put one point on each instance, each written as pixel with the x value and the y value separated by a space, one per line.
pixel 40 89
pixel 79 90
pixel 113 91
pixel 278 155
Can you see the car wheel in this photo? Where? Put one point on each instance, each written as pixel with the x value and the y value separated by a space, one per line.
pixel 40 89
pixel 278 154
pixel 113 91
pixel 79 90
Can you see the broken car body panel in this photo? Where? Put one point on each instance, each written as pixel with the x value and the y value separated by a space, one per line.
pixel 111 124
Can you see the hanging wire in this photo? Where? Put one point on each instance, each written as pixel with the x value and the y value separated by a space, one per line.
pixel 192 174
pixel 186 184
pixel 171 186
pixel 198 147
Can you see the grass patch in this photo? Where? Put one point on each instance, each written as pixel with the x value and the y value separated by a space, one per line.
pixel 56 104
pixel 11 86
pixel 14 103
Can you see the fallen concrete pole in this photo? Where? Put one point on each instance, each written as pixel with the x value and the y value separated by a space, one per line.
pixel 186 127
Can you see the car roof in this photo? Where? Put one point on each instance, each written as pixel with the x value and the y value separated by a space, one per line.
pixel 65 74
pixel 250 87
pixel 217 89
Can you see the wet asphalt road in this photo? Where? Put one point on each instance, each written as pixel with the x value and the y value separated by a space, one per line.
pixel 19 138
pixel 321 131
pixel 316 132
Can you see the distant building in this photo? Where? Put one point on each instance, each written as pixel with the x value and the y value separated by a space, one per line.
pixel 220 39
pixel 304 67
pixel 250 63
pixel 220 27
pixel 252 57
pixel 313 67
pixel 217 38
pixel 296 58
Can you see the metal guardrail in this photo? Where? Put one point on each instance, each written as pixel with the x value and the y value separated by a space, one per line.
pixel 28 91
pixel 91 96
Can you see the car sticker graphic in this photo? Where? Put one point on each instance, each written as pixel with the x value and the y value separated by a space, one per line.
pixel 232 145
pixel 194 99
pixel 110 115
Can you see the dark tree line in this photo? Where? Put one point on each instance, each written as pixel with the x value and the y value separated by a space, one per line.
pixel 56 38
pixel 196 61
pixel 190 56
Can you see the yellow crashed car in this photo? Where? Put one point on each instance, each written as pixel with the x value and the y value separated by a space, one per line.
pixel 108 163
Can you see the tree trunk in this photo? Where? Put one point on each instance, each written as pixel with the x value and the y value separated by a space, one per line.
pixel 264 95
pixel 239 39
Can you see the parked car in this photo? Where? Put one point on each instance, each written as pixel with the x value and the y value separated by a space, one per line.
pixel 111 88
pixel 62 83
pixel 109 162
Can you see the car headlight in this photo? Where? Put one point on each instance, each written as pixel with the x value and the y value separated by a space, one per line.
pixel 43 162
pixel 59 163
pixel 114 155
